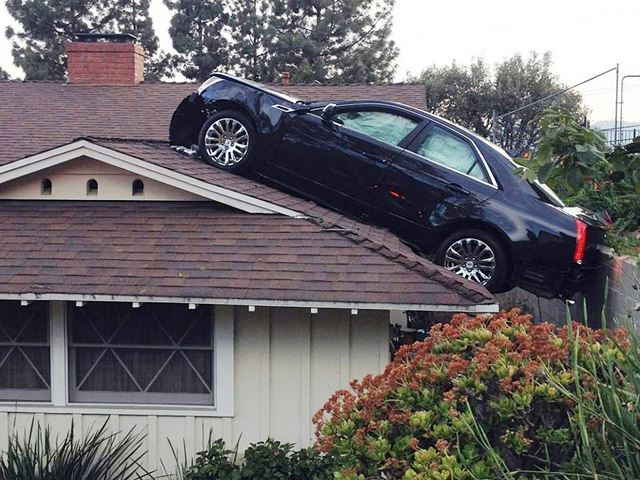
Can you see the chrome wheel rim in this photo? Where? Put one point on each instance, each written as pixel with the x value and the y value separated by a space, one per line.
pixel 226 142
pixel 472 259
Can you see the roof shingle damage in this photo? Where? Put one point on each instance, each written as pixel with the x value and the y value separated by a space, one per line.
pixel 190 250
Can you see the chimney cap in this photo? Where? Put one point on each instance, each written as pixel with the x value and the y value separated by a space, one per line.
pixel 104 37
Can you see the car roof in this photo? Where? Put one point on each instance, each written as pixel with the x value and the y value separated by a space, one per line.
pixel 416 111
pixel 371 102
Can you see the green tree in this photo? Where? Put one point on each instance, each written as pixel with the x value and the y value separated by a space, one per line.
pixel 38 45
pixel 469 95
pixel 3 74
pixel 463 94
pixel 341 41
pixel 316 40
pixel 251 36
pixel 198 33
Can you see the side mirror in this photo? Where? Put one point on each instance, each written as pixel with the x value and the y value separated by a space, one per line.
pixel 328 111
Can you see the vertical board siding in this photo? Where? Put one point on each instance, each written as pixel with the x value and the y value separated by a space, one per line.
pixel 287 364
pixel 289 342
pixel 329 356
pixel 252 400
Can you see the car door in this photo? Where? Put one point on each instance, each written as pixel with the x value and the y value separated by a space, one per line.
pixel 339 158
pixel 440 177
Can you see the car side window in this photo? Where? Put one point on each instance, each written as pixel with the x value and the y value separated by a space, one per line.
pixel 383 126
pixel 443 147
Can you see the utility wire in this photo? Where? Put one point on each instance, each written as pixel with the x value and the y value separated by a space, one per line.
pixel 555 94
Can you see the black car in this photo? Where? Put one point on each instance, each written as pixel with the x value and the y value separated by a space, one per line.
pixel 444 190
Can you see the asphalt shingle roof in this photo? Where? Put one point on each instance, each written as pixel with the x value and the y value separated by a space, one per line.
pixel 203 250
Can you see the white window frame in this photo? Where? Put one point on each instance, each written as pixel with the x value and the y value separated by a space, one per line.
pixel 29 395
pixel 223 346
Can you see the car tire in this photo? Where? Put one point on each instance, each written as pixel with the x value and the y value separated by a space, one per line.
pixel 475 254
pixel 227 141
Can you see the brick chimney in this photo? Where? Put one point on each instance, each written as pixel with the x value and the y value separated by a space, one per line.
pixel 104 59
pixel 285 78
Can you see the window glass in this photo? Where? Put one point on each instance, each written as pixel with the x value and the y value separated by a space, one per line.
pixel 25 371
pixel 386 127
pixel 157 353
pixel 448 149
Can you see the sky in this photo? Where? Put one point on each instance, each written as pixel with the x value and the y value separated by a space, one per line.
pixel 585 37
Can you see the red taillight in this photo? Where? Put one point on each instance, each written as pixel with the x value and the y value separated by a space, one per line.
pixel 581 241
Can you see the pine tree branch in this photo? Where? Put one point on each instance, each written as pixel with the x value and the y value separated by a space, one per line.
pixel 344 48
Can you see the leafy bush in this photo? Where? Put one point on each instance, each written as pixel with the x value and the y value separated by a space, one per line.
pixel 268 460
pixel 98 456
pixel 311 464
pixel 216 462
pixel 578 164
pixel 502 375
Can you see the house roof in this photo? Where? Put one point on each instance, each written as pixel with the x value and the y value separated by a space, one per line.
pixel 37 116
pixel 195 251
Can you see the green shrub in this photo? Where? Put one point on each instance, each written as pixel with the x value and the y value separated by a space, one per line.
pixel 268 460
pixel 98 456
pixel 310 464
pixel 500 375
pixel 214 463
pixel 578 164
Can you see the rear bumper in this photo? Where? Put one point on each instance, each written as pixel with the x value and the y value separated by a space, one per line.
pixel 551 283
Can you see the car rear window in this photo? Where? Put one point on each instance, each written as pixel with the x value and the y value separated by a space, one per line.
pixel 446 148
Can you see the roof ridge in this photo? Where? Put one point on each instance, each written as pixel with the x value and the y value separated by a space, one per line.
pixel 65 82
pixel 160 82
pixel 355 84
pixel 121 139
pixel 417 264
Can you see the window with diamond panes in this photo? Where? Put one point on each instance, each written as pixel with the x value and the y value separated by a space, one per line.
pixel 25 358
pixel 157 353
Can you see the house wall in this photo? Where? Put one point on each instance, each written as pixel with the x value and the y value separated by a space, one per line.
pixel 69 182
pixel 287 363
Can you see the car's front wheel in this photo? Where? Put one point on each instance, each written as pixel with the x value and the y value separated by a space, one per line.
pixel 227 140
pixel 475 255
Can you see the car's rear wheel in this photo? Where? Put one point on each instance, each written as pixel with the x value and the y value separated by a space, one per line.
pixel 475 255
pixel 227 140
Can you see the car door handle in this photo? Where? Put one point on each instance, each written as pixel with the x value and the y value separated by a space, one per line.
pixel 455 188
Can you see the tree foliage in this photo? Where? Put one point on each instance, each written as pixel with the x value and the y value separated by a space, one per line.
pixel 198 35
pixel 578 164
pixel 316 40
pixel 252 36
pixel 470 94
pixel 3 74
pixel 38 45
pixel 338 41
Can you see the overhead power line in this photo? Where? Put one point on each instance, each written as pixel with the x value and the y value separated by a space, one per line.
pixel 543 99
